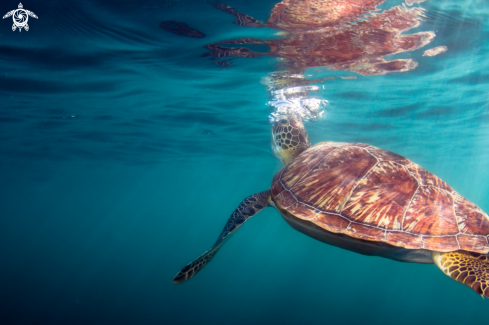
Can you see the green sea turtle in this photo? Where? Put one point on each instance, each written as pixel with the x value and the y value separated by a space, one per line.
pixel 20 17
pixel 370 201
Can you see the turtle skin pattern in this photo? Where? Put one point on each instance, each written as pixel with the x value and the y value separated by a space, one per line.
pixel 247 209
pixel 376 195
pixel 467 268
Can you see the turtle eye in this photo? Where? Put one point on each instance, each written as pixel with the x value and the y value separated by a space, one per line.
pixel 283 121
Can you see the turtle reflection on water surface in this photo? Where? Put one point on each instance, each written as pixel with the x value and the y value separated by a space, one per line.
pixel 343 35
pixel 370 201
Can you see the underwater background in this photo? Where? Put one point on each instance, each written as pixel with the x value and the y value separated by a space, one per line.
pixel 123 152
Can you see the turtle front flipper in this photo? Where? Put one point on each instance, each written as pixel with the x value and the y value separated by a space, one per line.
pixel 247 209
pixel 241 19
pixel 471 269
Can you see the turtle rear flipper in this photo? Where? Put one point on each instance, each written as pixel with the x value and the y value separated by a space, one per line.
pixel 26 27
pixel 471 269
pixel 247 209
pixel 14 28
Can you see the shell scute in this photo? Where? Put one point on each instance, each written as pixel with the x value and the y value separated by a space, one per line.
pixel 328 184
pixel 332 222
pixel 366 232
pixel 302 211
pixel 382 197
pixel 384 155
pixel 296 171
pixel 277 188
pixel 472 220
pixel 469 242
pixel 286 199
pixel 441 243
pixel 428 179
pixel 431 213
pixel 276 177
pixel 404 239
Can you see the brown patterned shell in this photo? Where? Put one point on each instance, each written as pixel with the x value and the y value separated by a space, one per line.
pixel 373 194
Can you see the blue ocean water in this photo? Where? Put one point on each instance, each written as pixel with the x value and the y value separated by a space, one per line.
pixel 123 152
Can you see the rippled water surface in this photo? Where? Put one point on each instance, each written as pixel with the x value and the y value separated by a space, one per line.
pixel 123 152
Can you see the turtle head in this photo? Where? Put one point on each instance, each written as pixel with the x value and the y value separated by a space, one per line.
pixel 289 139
